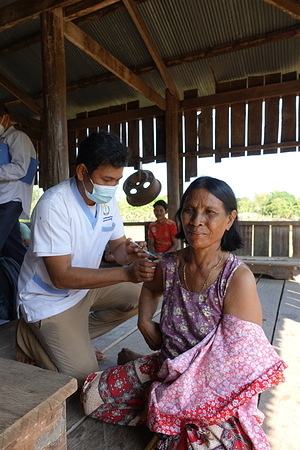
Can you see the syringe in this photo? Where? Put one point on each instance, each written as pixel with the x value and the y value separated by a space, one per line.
pixel 150 255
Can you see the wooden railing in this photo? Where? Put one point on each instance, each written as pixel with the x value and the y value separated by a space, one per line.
pixel 269 239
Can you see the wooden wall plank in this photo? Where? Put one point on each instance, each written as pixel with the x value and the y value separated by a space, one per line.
pixel 124 133
pixel 255 116
pixel 271 123
pixel 161 139
pixel 288 115
pixel 222 131
pixel 133 138
pixel 98 126
pixel 83 132
pixel 238 117
pixel 115 126
pixel 238 120
pixel 280 240
pixel 271 115
pixel 205 131
pixel 246 234
pixel 191 136
pixel 296 241
pixel 288 121
pixel 261 240
pixel 238 125
pixel 148 140
pixel 72 144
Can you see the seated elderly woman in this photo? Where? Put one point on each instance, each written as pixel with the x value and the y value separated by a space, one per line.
pixel 200 388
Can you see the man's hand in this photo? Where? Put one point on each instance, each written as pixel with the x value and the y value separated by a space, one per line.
pixel 141 270
pixel 138 249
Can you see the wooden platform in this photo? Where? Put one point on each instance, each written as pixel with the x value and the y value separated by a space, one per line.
pixel 281 268
pixel 281 404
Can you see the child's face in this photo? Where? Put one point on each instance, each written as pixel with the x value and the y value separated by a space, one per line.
pixel 159 212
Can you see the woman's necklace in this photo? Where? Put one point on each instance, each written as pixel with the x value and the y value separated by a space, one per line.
pixel 205 283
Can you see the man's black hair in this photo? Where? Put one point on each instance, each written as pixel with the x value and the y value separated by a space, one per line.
pixel 3 109
pixel 102 148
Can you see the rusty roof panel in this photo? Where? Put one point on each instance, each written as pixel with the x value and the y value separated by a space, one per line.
pixel 178 28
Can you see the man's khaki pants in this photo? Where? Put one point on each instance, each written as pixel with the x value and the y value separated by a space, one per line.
pixel 62 343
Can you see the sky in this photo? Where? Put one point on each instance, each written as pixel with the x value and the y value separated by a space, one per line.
pixel 247 176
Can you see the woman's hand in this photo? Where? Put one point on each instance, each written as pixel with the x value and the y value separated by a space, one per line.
pixel 151 333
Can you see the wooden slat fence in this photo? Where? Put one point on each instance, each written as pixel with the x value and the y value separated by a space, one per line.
pixel 263 238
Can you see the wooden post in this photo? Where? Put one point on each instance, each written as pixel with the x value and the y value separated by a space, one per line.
pixel 54 94
pixel 172 145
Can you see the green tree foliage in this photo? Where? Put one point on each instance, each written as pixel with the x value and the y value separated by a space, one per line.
pixel 138 213
pixel 276 205
pixel 36 194
pixel 282 205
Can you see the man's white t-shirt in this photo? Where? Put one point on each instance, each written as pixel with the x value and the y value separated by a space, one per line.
pixel 63 224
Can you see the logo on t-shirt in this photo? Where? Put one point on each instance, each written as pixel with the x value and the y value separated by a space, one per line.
pixel 105 209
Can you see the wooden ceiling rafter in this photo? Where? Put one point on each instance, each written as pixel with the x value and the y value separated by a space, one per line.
pixel 22 11
pixel 80 16
pixel 107 60
pixel 87 8
pixel 291 7
pixel 24 98
pixel 210 52
pixel 149 42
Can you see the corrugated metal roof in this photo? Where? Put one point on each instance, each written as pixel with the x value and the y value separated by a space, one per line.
pixel 178 27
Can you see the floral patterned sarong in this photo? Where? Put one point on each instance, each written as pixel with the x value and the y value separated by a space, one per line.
pixel 206 398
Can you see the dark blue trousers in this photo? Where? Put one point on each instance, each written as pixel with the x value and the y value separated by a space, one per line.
pixel 11 243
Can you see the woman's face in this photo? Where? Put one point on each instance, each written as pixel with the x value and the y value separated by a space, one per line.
pixel 204 219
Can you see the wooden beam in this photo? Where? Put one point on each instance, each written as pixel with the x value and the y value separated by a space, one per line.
pixel 210 52
pixel 108 119
pixel 172 149
pixel 85 7
pixel 24 98
pixel 103 57
pixel 55 101
pixel 147 38
pixel 240 149
pixel 87 11
pixel 235 46
pixel 26 121
pixel 291 7
pixel 20 43
pixel 23 10
pixel 242 95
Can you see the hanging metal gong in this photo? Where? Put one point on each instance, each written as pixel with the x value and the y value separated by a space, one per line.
pixel 141 188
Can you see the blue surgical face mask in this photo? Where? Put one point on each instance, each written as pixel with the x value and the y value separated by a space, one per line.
pixel 101 193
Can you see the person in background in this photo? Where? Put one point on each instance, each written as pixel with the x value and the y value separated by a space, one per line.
pixel 162 233
pixel 200 389
pixel 15 195
pixel 25 233
pixel 64 297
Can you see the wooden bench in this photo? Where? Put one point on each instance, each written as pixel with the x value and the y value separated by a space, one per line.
pixel 281 268
pixel 32 404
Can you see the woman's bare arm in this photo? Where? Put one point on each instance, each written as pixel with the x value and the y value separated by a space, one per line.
pixel 242 298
